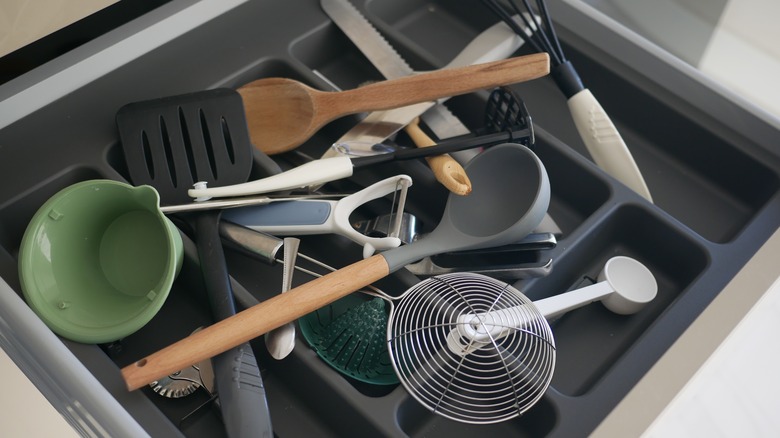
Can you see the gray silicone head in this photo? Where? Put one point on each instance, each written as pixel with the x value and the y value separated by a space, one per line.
pixel 509 198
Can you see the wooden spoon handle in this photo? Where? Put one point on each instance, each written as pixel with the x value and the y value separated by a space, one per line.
pixel 434 85
pixel 255 321
pixel 446 170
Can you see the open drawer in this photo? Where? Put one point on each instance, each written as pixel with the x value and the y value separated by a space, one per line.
pixel 715 183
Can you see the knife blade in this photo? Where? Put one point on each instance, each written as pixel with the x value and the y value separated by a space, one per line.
pixel 495 43
pixel 368 39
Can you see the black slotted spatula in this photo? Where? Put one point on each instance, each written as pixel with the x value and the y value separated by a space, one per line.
pixel 171 143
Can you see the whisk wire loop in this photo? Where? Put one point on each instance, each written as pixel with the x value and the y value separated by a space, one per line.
pixel 545 14
pixel 538 29
pixel 500 377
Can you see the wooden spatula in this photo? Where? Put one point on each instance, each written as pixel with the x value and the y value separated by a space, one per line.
pixel 283 113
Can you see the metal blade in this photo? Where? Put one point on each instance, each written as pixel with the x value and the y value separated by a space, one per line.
pixel 383 56
pixel 378 126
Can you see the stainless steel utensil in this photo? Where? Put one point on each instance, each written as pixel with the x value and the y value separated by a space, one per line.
pixel 186 381
pixel 281 341
pixel 409 231
pixel 179 384
pixel 382 225
pixel 427 267
pixel 476 350
pixel 488 385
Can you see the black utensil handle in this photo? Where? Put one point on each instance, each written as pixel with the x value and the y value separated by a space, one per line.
pixel 238 382
pixel 444 147
pixel 213 265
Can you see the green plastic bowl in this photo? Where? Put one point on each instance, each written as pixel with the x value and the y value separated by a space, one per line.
pixel 98 259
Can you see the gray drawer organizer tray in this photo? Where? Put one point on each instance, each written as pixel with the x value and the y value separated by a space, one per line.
pixel 707 160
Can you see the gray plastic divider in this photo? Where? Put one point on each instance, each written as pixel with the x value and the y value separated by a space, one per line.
pixel 87 63
pixel 710 160
pixel 58 373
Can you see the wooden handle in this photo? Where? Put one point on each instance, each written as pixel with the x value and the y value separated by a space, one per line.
pixel 434 85
pixel 255 321
pixel 446 170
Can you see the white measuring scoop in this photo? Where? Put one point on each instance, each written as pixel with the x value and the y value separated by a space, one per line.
pixel 624 287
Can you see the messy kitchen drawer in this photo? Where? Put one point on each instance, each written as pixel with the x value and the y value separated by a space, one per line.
pixel 707 162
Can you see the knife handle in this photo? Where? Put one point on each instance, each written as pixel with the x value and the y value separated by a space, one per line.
pixel 446 170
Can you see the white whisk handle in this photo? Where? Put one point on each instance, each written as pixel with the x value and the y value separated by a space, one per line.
pixel 604 142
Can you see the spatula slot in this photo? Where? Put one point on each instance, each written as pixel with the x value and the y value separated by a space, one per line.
pixel 187 143
pixel 207 144
pixel 147 149
pixel 228 140
pixel 166 142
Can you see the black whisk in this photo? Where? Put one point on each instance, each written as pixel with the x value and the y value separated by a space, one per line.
pixel 542 38
pixel 599 134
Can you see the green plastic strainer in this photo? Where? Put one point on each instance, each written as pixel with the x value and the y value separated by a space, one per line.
pixel 350 335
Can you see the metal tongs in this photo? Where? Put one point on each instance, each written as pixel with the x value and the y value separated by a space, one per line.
pixel 467 261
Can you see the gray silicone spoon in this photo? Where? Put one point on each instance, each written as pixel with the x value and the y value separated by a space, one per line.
pixel 510 197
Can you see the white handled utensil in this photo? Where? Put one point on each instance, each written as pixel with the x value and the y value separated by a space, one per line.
pixel 625 286
pixel 596 129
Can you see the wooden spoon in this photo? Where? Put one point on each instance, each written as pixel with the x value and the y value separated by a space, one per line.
pixel 446 170
pixel 283 113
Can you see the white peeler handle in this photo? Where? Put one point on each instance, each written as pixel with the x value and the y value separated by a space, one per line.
pixel 604 142
pixel 311 173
